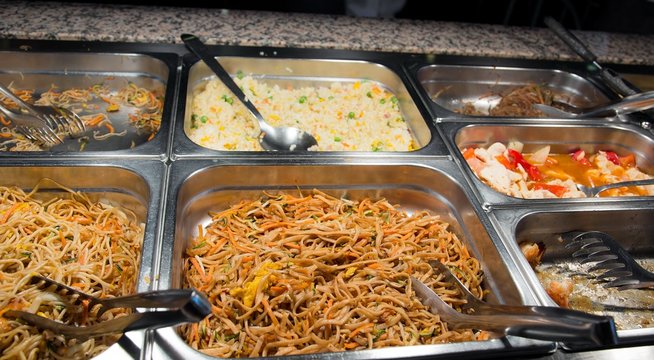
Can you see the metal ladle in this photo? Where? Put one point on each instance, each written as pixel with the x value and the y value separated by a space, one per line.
pixel 271 138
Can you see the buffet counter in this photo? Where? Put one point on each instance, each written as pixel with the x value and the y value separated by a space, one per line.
pixel 406 110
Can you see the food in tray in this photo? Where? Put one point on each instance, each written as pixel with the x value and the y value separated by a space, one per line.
pixel 91 246
pixel 517 102
pixel 542 174
pixel 307 274
pixel 567 283
pixel 359 116
pixel 106 111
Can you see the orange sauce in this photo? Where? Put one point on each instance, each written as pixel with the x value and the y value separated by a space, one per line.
pixel 564 166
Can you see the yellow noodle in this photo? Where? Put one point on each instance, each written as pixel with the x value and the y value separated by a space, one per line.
pixel 91 246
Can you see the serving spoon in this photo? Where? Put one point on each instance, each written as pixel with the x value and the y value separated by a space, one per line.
pixel 271 138
pixel 633 103
pixel 593 191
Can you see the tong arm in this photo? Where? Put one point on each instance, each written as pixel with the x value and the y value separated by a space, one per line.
pixel 185 306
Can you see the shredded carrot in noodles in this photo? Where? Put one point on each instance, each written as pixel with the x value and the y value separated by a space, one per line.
pixel 297 275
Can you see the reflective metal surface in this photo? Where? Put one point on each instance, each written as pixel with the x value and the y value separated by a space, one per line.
pixel 136 185
pixel 298 71
pixel 630 223
pixel 42 71
pixel 197 187
pixel 563 137
pixel 451 86
pixel 171 182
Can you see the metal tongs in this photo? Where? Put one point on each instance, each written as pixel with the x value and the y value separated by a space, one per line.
pixel 175 306
pixel 535 322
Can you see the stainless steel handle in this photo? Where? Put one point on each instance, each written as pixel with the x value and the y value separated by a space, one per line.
pixel 31 110
pixel 200 50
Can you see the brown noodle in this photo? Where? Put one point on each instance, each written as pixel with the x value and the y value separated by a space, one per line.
pixel 91 246
pixel 518 102
pixel 296 275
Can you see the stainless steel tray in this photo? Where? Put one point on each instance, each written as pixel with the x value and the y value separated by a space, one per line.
pixel 562 136
pixel 450 86
pixel 301 69
pixel 630 224
pixel 199 186
pixel 136 185
pixel 40 71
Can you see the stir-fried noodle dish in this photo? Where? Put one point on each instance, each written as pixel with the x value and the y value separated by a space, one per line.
pixel 106 111
pixel 517 101
pixel 91 246
pixel 308 274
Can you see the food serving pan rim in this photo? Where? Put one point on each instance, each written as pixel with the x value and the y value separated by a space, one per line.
pixel 158 147
pixel 419 62
pixel 506 221
pixel 152 174
pixel 168 344
pixel 184 148
pixel 492 199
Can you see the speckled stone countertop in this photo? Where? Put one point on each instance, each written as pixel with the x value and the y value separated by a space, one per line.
pixel 125 23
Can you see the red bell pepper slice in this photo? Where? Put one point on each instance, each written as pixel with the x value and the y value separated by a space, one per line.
pixel 517 159
pixel 612 157
pixel 557 190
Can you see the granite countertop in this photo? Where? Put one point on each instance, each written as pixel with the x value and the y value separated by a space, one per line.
pixel 127 23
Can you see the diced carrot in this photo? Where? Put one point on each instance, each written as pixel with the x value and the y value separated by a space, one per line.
pixel 109 127
pixel 362 328
pixel 197 266
pixel 468 153
pixel 4 121
pixel 504 161
pixel 351 345
pixel 628 160
pixel 557 190
pixel 8 212
pixel 293 245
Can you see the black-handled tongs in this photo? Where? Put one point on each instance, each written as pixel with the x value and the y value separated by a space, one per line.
pixel 610 77
pixel 535 322
pixel 166 308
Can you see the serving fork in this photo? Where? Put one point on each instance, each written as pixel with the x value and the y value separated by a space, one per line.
pixel 32 128
pixel 536 322
pixel 175 306
pixel 56 117
pixel 620 269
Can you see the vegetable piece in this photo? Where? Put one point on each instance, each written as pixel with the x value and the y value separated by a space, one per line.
pixel 468 153
pixel 557 190
pixel 628 160
pixel 612 157
pixel 580 156
pixel 517 159
pixel 540 156
pixel 515 145
pixel 504 161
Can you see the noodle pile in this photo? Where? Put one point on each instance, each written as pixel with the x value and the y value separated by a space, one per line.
pixel 144 111
pixel 91 246
pixel 296 275
pixel 518 102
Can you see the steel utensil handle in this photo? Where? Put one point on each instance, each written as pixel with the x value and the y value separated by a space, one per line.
pixel 571 40
pixel 200 50
pixel 8 93
pixel 196 308
pixel 609 76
